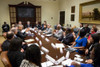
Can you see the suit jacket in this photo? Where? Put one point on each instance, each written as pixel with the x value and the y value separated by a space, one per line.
pixel 59 33
pixel 68 39
pixel 38 26
pixel 21 35
pixel 49 31
pixel 5 28
pixel 87 29
pixel 5 45
pixel 28 26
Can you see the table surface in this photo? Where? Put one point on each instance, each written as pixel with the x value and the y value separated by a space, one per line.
pixel 54 53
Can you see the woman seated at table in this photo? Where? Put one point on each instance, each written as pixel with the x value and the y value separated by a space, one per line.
pixel 67 37
pixel 32 57
pixel 93 40
pixel 48 29
pixel 58 33
pixel 94 61
pixel 15 54
pixel 80 42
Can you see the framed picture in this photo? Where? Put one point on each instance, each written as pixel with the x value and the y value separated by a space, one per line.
pixel 72 17
pixel 90 12
pixel 73 9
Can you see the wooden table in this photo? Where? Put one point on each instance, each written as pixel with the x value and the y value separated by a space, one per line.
pixel 54 53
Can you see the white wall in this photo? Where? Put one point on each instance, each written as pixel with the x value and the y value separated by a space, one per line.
pixel 50 9
pixel 65 5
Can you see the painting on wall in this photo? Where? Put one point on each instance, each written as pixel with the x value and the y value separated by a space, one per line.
pixel 90 12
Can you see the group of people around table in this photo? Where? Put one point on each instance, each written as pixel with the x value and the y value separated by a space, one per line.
pixel 84 39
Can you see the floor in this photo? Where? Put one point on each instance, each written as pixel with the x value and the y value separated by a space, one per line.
pixel 1 41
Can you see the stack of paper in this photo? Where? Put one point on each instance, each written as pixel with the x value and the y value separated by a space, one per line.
pixel 60 45
pixel 29 40
pixel 50 58
pixel 45 49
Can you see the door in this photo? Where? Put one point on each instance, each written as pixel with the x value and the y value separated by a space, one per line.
pixel 62 17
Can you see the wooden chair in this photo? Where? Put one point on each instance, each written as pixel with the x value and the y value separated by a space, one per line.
pixel 5 60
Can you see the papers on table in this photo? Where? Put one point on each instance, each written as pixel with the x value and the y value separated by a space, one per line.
pixel 67 55
pixel 49 35
pixel 33 43
pixel 47 64
pixel 60 60
pixel 42 36
pixel 29 40
pixel 45 49
pixel 60 45
pixel 37 38
pixel 23 30
pixel 42 52
pixel 52 44
pixel 40 42
pixel 50 58
pixel 58 66
pixel 67 62
pixel 47 39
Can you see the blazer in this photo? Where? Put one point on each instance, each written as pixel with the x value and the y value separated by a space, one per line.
pixel 67 39
pixel 59 33
pixel 49 31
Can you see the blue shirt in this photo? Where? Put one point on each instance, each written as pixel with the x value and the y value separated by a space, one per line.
pixel 84 65
pixel 81 42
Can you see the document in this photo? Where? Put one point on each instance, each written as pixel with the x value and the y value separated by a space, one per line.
pixel 37 38
pixel 60 45
pixel 50 58
pixel 47 39
pixel 54 46
pixel 61 59
pixel 47 64
pixel 29 40
pixel 45 49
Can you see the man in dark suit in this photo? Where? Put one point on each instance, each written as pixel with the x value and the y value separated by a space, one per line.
pixel 5 27
pixel 86 28
pixel 38 25
pixel 6 43
pixel 67 37
pixel 28 24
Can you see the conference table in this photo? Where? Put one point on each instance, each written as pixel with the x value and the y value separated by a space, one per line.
pixel 55 53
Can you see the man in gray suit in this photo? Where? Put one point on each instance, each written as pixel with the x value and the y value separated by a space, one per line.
pixel 58 33
pixel 48 30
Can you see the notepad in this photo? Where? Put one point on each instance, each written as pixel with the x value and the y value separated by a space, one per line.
pixel 60 45
pixel 50 58
pixel 45 49
pixel 29 40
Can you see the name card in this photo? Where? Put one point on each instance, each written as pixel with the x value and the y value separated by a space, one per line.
pixel 61 50
pixel 42 36
pixel 45 49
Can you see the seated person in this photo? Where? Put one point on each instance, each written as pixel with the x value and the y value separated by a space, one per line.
pixel 44 27
pixel 58 33
pixel 93 40
pixel 14 53
pixel 48 30
pixel 6 43
pixel 80 42
pixel 86 28
pixel 67 37
pixel 32 57
pixel 38 26
pixel 28 24
pixel 94 61
pixel 45 23
pixel 20 34
pixel 93 30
